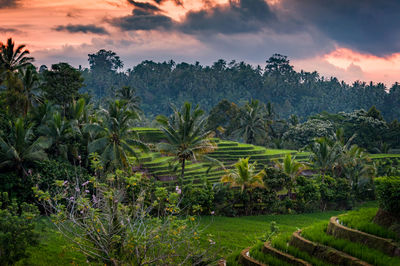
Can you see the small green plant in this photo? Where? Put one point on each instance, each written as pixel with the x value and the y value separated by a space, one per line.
pixel 388 193
pixel 273 230
pixel 16 229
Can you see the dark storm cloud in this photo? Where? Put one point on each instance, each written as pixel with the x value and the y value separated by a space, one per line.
pixel 90 28
pixel 140 20
pixel 8 3
pixel 7 30
pixel 145 16
pixel 144 6
pixel 243 16
pixel 369 26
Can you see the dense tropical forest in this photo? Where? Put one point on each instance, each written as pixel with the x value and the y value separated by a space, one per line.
pixel 184 164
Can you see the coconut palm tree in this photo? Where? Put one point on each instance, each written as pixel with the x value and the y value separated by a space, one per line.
pixel 186 136
pixel 20 147
pixel 128 94
pixel 57 129
pixel 324 154
pixel 244 175
pixel 14 58
pixel 114 138
pixel 292 168
pixel 252 122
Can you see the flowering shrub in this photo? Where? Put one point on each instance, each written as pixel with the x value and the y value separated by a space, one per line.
pixel 113 222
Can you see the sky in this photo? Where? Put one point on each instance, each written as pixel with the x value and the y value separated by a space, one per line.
pixel 349 39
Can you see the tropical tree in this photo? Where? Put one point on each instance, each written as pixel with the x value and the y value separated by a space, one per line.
pixel 252 122
pixel 57 129
pixel 21 147
pixel 186 136
pixel 355 165
pixel 129 95
pixel 14 58
pixel 114 138
pixel 292 168
pixel 244 175
pixel 324 154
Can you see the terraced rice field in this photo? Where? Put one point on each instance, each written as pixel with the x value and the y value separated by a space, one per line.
pixel 327 243
pixel 167 170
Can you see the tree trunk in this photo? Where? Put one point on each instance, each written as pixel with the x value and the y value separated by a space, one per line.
pixel 183 169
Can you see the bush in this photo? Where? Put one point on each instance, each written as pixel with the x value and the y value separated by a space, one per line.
pixel 47 172
pixel 17 187
pixel 335 193
pixel 198 200
pixel 307 195
pixel 16 229
pixel 388 194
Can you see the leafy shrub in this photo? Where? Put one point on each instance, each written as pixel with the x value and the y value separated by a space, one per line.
pixel 307 195
pixel 16 229
pixel 224 199
pixel 335 193
pixel 388 193
pixel 17 187
pixel 275 179
pixel 198 200
pixel 47 172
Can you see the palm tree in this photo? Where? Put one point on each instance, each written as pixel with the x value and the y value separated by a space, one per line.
pixel 244 175
pixel 57 129
pixel 21 148
pixel 354 165
pixel 186 136
pixel 13 58
pixel 292 168
pixel 114 138
pixel 252 122
pixel 324 154
pixel 128 94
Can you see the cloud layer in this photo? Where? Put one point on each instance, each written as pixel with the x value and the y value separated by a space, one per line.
pixel 90 28
pixel 368 26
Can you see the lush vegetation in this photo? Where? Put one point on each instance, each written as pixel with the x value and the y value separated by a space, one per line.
pixel 317 233
pixel 119 191
pixel 362 220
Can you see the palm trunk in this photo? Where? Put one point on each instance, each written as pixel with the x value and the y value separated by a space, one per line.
pixel 183 169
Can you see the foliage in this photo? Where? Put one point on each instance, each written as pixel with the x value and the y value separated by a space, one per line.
pixel 317 233
pixel 244 175
pixel 114 137
pixel 252 124
pixel 20 147
pixel 116 231
pixel 61 84
pixel 292 169
pixel 186 136
pixel 388 193
pixel 198 200
pixel 13 59
pixel 362 220
pixel 16 229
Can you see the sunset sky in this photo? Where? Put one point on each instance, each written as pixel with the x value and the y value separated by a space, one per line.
pixel 349 39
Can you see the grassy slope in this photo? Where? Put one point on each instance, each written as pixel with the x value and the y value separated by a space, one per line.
pixel 234 234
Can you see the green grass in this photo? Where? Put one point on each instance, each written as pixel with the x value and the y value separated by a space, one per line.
pixel 281 241
pixel 233 234
pixel 383 155
pixel 257 254
pixel 53 249
pixel 362 220
pixel 316 233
